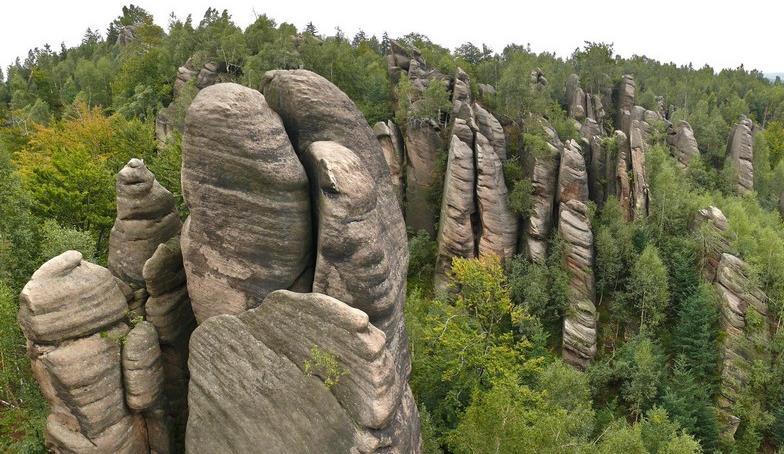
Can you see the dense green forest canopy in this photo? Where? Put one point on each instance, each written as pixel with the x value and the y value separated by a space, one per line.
pixel 484 370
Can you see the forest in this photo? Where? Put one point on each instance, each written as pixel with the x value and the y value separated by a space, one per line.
pixel 487 368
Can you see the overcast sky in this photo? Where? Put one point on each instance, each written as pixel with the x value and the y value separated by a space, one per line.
pixel 720 33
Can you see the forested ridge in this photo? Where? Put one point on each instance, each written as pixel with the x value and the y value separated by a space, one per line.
pixel 489 372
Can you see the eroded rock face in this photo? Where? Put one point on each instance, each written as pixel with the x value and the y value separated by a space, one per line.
pixel 740 155
pixel 391 141
pixel 622 184
pixel 572 175
pixel 714 229
pixel 640 197
pixel 423 144
pixel 169 311
pixel 498 235
pixel 455 231
pixel 249 229
pixel 491 129
pixel 744 320
pixel 72 314
pixel 626 93
pixel 579 326
pixel 575 98
pixel 366 408
pixel 146 217
pixel 544 179
pixel 681 139
pixel 359 258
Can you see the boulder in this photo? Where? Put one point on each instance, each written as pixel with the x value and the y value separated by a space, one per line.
pixel 455 230
pixel 740 155
pixel 680 138
pixel 249 229
pixel 68 298
pixel 579 325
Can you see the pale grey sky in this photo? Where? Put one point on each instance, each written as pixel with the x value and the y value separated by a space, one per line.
pixel 721 33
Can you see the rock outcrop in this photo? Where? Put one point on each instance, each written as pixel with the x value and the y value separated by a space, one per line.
pixel 626 94
pixel 640 197
pixel 391 141
pixel 72 313
pixel 623 190
pixel 579 325
pixel 456 231
pixel 575 98
pixel 680 138
pixel 498 234
pixel 249 230
pixel 299 403
pixel 491 129
pixel 572 175
pixel 744 320
pixel 740 155
pixel 423 144
pixel 146 217
pixel 714 231
pixel 544 179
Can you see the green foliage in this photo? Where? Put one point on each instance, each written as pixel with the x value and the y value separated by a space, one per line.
pixel 57 239
pixel 324 365
pixel 521 198
pixel 23 409
pixel 422 257
pixel 649 289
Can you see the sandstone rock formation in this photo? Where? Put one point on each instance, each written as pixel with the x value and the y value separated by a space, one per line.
pixel 575 98
pixel 680 138
pixel 365 408
pixel 622 183
pixel 572 175
pixel 579 325
pixel 423 143
pixel 146 217
pixel 249 230
pixel 626 93
pixel 740 155
pixel 714 231
pixel 456 231
pixel 72 313
pixel 491 129
pixel 744 320
pixel 544 179
pixel 640 197
pixel 391 141
pixel 498 234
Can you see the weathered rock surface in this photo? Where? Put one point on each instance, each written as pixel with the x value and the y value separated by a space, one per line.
pixel 579 326
pixel 455 230
pixel 423 144
pixel 360 259
pixel 714 230
pixel 601 177
pixel 544 179
pixel 744 320
pixel 490 128
pixel 288 408
pixel 169 311
pixel 146 217
pixel 68 298
pixel 142 368
pixel 72 314
pixel 313 109
pixel 249 228
pixel 681 139
pixel 498 235
pixel 626 93
pixel 640 197
pixel 575 98
pixel 572 175
pixel 622 184
pixel 740 155
pixel 391 141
